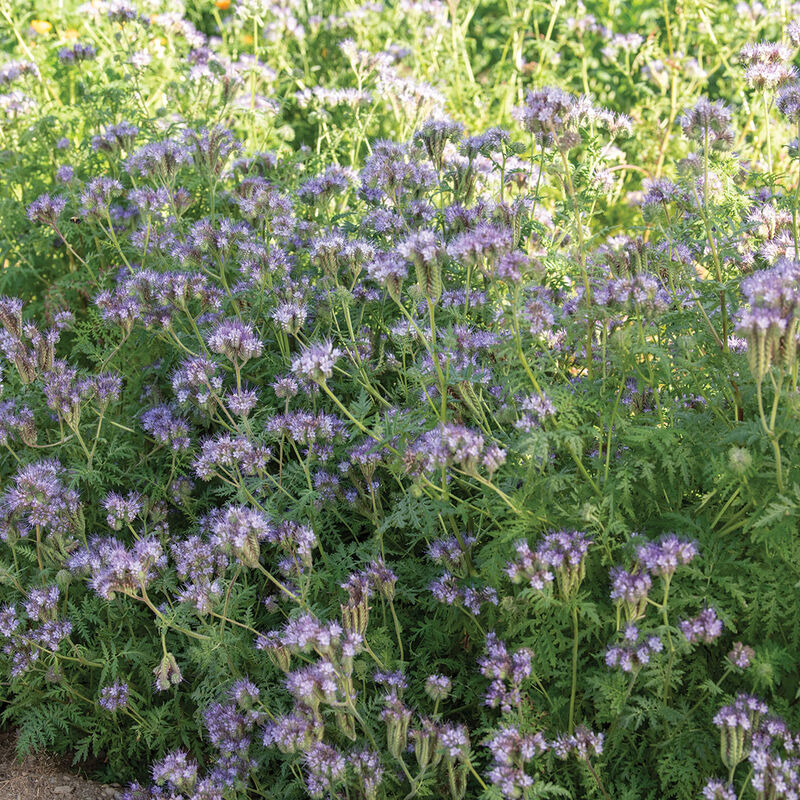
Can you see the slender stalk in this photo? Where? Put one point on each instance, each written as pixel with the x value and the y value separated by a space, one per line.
pixel 397 630
pixel 597 780
pixel 574 687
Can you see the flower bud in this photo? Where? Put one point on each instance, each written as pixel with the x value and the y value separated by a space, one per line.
pixel 457 779
pixel 346 725
pixel 167 673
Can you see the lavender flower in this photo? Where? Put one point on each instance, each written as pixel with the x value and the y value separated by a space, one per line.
pixel 737 723
pixel 197 381
pixel 176 770
pixel 438 687
pixel 39 498
pixel 242 402
pixel 548 114
pixel 706 627
pixel 506 673
pixel 564 552
pixel 122 510
pixel 225 454
pixel 434 135
pixel 528 567
pixel 389 269
pixel 325 767
pixel 97 196
pixel 316 362
pixel 634 651
pixel 41 604
pixel 235 340
pixel 768 65
pixel 583 744
pixel 116 137
pixel 368 769
pixel 717 790
pixel 114 697
pixel 664 556
pixel 115 568
pixel 159 160
pixel 322 188
pixel 788 101
pixel 395 680
pixel 46 209
pixel 163 424
pixel 741 656
pixel 239 531
pixel 293 732
pixel 630 590
pixel 708 121
pixel 452 552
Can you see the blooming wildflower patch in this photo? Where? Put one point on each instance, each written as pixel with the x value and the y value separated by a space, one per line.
pixel 401 399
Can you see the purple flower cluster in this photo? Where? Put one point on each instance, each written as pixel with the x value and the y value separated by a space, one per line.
pixel 452 552
pixel 448 445
pixel 708 122
pixel 705 627
pixel 634 651
pixel 39 499
pixel 663 557
pixel 165 426
pixel 226 454
pixel 529 568
pixel 438 687
pixel 561 554
pixel 741 656
pixel 122 510
pixel 715 789
pixel 46 209
pixel 630 590
pixel 114 697
pixel 31 351
pixel 16 423
pixel 743 714
pixel 176 770
pixel 583 744
pixel 239 530
pixel 201 565
pixel 739 729
pixel 767 65
pixel 317 431
pixel 770 324
pixel 42 631
pixel 325 768
pixel 115 568
pixel 229 728
pixel 506 673
pixel 235 340
pixel 316 362
pixel 78 52
pixel 511 751
pixel 306 632
pixel 448 589
pixel 642 292
pixel 197 381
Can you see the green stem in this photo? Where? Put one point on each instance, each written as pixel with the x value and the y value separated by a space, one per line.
pixel 573 690
pixel 397 630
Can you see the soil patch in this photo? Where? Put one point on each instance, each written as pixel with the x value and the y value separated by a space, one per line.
pixel 44 777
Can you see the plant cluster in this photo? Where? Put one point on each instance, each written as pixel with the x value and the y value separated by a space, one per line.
pixel 357 442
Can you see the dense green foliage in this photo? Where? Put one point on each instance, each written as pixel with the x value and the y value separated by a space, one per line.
pixel 379 421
